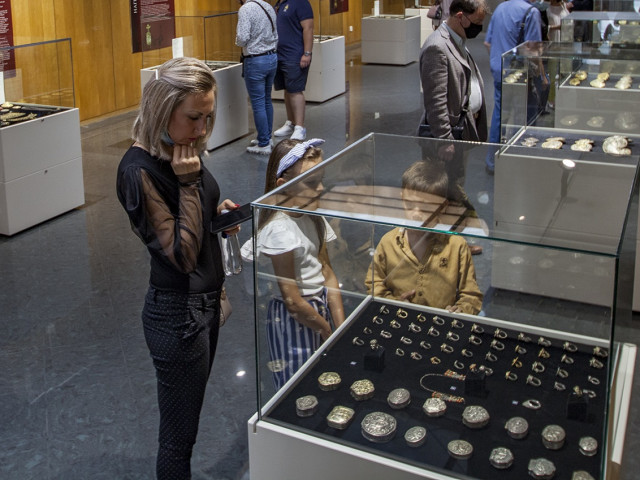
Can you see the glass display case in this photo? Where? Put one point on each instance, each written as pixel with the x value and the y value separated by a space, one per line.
pixel 389 35
pixel 571 86
pixel 39 135
pixel 617 28
pixel 507 383
pixel 209 37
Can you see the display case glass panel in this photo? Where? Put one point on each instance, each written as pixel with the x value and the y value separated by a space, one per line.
pixel 571 86
pixel 535 356
pixel 328 18
pixel 209 37
pixel 386 8
pixel 37 79
pixel 617 28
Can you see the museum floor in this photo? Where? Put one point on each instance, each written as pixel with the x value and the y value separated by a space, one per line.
pixel 77 387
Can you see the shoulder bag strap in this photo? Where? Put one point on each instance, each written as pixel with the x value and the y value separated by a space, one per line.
pixel 273 28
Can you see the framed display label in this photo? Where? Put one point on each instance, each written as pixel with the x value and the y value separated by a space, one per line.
pixel 152 24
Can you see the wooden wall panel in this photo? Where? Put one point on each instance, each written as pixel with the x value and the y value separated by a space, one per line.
pixel 88 24
pixel 106 72
pixel 126 65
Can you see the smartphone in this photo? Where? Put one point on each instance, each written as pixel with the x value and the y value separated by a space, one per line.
pixel 230 219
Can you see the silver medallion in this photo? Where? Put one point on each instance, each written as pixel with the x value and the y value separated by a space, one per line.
pixel 541 468
pixel 415 436
pixel 588 446
pixel 399 398
pixel 581 475
pixel 553 437
pixel 434 407
pixel 460 449
pixel 306 406
pixel 475 416
pixel 378 427
pixel 501 458
pixel 517 427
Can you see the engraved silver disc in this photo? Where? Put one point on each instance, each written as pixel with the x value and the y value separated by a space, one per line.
pixel 399 398
pixel 501 458
pixel 517 427
pixel 541 468
pixel 434 407
pixel 306 406
pixel 475 416
pixel 588 446
pixel 378 427
pixel 581 475
pixel 460 449
pixel 553 437
pixel 415 436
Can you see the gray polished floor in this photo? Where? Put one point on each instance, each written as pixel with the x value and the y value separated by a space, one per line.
pixel 77 387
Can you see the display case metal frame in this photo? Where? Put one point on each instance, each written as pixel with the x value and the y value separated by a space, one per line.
pixel 360 200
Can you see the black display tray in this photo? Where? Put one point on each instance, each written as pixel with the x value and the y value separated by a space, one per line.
pixel 14 113
pixel 503 399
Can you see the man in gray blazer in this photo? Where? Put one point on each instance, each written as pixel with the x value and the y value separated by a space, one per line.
pixel 451 82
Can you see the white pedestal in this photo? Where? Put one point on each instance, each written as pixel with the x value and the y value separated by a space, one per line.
pixel 426 24
pixel 40 170
pixel 326 74
pixel 390 40
pixel 232 109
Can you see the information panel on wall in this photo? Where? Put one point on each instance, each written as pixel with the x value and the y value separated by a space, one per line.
pixel 152 24
pixel 6 36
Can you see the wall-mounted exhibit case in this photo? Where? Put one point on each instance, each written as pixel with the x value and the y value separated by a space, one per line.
pixel 210 38
pixel 532 385
pixel 40 154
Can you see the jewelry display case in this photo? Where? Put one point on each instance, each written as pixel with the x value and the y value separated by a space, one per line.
pixel 209 37
pixel 389 36
pixel 40 154
pixel 617 28
pixel 576 86
pixel 529 385
pixel 326 78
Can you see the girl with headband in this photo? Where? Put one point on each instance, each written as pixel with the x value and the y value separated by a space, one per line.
pixel 309 307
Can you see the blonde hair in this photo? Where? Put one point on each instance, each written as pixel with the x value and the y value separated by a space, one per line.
pixel 174 81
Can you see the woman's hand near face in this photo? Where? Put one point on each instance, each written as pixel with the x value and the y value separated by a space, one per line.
pixel 185 160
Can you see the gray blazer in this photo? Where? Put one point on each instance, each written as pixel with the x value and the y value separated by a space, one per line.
pixel 445 74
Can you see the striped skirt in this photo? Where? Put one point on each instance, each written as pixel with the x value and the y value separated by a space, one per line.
pixel 291 343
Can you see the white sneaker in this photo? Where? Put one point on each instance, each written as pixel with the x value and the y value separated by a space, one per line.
pixel 285 130
pixel 266 150
pixel 254 142
pixel 299 133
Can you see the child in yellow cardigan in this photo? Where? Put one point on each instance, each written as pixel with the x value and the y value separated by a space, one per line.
pixel 421 267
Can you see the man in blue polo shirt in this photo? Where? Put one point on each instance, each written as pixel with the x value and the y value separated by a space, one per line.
pixel 295 44
pixel 513 22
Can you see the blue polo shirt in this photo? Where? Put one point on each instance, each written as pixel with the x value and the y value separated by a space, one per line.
pixel 504 29
pixel 290 14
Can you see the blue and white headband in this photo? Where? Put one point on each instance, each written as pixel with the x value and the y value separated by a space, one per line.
pixel 296 153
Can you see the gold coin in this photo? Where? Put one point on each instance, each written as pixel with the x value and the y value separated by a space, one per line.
pixel 510 79
pixel 581 75
pixel 597 83
pixel 622 85
pixel 574 81
pixel 604 76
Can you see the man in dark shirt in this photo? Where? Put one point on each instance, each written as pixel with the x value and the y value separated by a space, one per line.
pixel 295 44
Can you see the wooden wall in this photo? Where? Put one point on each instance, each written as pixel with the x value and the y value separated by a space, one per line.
pixel 106 74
